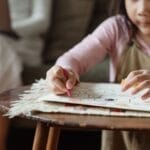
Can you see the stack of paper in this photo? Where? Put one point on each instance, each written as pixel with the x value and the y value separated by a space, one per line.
pixel 87 98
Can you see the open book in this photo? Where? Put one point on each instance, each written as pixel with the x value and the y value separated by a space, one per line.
pixel 102 95
pixel 87 98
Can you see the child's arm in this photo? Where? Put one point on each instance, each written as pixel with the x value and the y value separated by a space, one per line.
pixel 61 80
pixel 140 80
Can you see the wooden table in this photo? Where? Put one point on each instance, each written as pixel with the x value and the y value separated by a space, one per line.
pixel 49 125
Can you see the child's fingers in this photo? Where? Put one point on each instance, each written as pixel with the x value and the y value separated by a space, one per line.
pixel 60 80
pixel 55 80
pixel 134 73
pixel 56 72
pixel 52 73
pixel 135 81
pixel 128 81
pixel 138 80
pixel 141 86
pixel 59 86
pixel 128 84
pixel 146 95
pixel 71 80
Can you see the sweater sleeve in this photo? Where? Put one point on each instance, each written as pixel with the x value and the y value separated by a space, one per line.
pixel 38 22
pixel 92 49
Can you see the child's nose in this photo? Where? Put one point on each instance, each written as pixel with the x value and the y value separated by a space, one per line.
pixel 143 7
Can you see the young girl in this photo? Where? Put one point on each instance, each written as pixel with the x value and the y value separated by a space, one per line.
pixel 126 39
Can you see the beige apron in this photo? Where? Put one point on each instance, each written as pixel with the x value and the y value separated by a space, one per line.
pixel 132 59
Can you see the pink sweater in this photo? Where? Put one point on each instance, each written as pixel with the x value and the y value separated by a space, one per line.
pixel 111 37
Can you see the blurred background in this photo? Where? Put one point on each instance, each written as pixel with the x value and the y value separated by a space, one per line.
pixel 46 29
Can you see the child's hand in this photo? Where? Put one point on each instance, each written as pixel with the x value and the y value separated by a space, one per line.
pixel 140 80
pixel 59 81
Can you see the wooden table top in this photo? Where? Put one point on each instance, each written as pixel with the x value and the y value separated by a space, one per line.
pixel 76 121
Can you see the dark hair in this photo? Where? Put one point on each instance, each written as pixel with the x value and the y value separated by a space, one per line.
pixel 121 9
pixel 118 7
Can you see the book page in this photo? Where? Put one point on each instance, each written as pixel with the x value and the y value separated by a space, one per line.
pixel 87 98
pixel 101 94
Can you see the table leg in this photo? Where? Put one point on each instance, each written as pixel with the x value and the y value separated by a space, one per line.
pixel 40 138
pixel 53 138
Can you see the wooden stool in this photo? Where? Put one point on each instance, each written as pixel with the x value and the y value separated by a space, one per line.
pixel 49 125
pixel 46 138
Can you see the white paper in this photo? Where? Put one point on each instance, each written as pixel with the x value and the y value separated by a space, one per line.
pixel 87 98
pixel 101 94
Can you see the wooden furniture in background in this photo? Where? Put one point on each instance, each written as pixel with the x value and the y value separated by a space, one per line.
pixel 5 21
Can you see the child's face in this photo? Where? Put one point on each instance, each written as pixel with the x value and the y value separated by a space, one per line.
pixel 139 13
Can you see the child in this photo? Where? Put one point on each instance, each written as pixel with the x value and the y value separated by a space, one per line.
pixel 126 39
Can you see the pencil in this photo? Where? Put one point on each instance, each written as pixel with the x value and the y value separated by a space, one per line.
pixel 66 76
